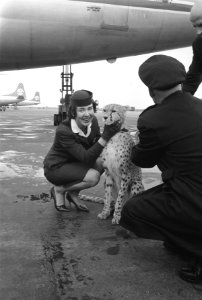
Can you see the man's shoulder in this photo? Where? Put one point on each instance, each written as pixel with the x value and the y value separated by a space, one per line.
pixel 148 110
pixel 192 99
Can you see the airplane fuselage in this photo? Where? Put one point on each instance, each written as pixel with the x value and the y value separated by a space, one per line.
pixel 35 33
pixel 6 100
pixel 27 103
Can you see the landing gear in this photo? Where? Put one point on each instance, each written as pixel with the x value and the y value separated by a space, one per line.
pixel 56 119
pixel 66 90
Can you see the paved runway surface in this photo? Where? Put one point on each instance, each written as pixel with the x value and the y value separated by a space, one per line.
pixel 47 255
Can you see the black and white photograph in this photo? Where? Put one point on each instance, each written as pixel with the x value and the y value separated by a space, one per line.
pixel 100 149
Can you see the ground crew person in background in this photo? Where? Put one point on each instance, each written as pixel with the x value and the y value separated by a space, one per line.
pixel 170 136
pixel 194 74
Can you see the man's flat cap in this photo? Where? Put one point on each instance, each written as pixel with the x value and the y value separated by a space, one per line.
pixel 162 72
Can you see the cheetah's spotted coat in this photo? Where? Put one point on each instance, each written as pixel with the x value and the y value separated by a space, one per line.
pixel 122 178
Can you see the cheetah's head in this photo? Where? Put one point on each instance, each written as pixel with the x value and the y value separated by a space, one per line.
pixel 113 113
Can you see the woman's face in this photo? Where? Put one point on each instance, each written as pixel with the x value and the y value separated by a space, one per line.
pixel 84 115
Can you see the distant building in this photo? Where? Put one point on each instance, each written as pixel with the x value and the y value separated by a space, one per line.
pixel 130 108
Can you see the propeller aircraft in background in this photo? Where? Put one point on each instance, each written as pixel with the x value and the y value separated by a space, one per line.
pixel 17 96
pixel 34 101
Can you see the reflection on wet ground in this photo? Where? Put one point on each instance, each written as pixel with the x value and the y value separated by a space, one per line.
pixel 15 163
pixel 29 163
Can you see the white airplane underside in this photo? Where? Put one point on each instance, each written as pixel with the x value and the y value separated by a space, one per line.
pixel 35 33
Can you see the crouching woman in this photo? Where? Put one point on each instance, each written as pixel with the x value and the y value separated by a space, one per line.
pixel 73 164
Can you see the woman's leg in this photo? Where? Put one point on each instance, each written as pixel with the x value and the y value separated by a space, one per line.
pixel 78 176
pixel 60 195
pixel 91 178
pixel 59 201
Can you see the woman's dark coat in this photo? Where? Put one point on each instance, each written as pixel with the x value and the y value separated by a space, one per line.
pixel 71 147
pixel 171 138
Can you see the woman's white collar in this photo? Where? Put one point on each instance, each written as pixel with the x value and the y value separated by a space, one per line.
pixel 76 129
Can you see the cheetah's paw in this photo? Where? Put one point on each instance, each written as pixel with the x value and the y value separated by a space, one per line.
pixel 103 215
pixel 116 219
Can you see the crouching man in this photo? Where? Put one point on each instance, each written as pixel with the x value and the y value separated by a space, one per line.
pixel 170 136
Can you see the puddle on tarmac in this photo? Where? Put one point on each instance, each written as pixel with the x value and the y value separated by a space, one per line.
pixel 12 165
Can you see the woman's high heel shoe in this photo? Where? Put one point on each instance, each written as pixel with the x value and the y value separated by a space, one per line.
pixel 80 207
pixel 61 208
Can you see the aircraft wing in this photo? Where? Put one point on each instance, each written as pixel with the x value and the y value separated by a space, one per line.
pixel 35 33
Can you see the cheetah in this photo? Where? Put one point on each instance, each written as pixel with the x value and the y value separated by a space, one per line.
pixel 122 178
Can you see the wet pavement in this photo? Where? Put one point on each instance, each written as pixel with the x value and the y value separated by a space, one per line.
pixel 45 254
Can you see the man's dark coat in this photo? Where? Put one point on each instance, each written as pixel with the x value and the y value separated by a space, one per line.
pixel 194 75
pixel 171 138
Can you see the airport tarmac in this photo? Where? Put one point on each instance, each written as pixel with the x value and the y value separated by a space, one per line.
pixel 48 255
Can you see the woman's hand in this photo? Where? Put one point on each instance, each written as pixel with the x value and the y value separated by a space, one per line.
pixel 110 130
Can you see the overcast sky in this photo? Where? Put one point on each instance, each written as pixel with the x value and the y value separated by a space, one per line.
pixel 110 83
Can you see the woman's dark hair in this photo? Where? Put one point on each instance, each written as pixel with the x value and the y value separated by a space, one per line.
pixel 72 109
pixel 95 104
